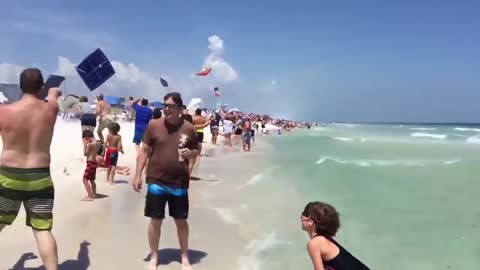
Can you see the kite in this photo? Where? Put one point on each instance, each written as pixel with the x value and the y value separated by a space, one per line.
pixel 217 91
pixel 95 69
pixel 204 72
pixel 163 82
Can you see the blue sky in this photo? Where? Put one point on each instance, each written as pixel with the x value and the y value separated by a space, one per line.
pixel 340 60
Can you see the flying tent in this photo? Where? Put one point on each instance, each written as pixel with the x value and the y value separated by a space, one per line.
pixel 52 81
pixel 163 82
pixel 95 69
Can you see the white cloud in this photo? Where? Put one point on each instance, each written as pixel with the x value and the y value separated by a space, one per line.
pixel 221 70
pixel 10 73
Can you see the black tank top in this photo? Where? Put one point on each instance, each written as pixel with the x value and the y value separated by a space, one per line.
pixel 344 260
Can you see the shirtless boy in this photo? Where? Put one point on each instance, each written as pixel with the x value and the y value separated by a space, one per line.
pixel 25 162
pixel 90 152
pixel 114 145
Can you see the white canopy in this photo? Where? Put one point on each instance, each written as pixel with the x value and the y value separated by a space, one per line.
pixel 194 104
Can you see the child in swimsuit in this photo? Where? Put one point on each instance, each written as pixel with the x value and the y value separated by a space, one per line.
pixel 113 143
pixel 90 152
pixel 321 221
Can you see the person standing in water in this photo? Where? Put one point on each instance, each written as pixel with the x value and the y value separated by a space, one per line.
pixel 215 126
pixel 321 221
pixel 169 143
pixel 25 162
pixel 143 114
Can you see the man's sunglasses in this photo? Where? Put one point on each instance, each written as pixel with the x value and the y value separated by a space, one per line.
pixel 170 106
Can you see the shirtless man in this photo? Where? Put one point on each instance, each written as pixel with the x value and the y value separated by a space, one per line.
pixel 25 161
pixel 105 118
pixel 199 123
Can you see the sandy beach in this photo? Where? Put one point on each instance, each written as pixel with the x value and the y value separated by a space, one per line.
pixel 111 231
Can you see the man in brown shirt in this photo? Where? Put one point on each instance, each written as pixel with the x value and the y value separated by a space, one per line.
pixel 168 143
pixel 26 128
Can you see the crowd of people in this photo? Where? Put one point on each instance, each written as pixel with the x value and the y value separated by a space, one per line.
pixel 168 142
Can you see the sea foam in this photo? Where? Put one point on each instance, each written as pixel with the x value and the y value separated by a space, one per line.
pixel 467 129
pixel 429 135
pixel 385 163
pixel 423 129
pixel 255 249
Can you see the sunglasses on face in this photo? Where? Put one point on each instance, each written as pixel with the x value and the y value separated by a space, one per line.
pixel 170 106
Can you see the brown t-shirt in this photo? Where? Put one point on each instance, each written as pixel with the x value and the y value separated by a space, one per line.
pixel 164 167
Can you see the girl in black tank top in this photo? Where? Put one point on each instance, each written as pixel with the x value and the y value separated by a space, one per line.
pixel 321 220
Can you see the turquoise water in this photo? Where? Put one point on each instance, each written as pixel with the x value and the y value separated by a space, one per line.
pixel 408 196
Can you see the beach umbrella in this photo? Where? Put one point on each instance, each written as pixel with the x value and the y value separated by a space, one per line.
pixel 9 93
pixel 52 81
pixel 95 69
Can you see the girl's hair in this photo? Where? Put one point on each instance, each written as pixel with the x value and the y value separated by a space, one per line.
pixel 114 128
pixel 324 216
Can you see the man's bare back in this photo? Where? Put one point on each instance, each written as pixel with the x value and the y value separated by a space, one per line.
pixel 26 128
pixel 199 121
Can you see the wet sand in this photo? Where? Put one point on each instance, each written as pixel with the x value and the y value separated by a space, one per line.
pixel 111 231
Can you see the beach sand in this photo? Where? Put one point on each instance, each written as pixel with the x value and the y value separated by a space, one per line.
pixel 114 225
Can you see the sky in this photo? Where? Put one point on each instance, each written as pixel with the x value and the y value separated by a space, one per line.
pixel 340 60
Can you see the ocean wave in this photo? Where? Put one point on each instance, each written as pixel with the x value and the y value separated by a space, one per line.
pixel 342 139
pixel 256 248
pixel 467 129
pixel 384 163
pixel 257 178
pixel 429 135
pixel 423 129
pixel 473 139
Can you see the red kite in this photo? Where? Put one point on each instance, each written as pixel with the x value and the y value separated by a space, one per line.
pixel 204 72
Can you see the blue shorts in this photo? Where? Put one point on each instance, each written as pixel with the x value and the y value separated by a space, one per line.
pixel 138 136
pixel 158 196
pixel 247 136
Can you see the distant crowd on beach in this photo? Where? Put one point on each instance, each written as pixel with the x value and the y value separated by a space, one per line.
pixel 168 143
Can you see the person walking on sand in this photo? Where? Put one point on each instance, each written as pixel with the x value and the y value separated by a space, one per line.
pixel 199 123
pixel 143 116
pixel 321 221
pixel 169 143
pixel 113 143
pixel 103 111
pixel 90 152
pixel 215 126
pixel 25 162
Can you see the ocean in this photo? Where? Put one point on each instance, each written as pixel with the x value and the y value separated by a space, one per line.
pixel 407 195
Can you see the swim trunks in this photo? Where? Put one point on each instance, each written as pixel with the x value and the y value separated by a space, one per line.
pixel 214 130
pixel 111 157
pixel 157 198
pixel 200 136
pixel 247 136
pixel 32 187
pixel 138 136
pixel 105 121
pixel 90 170
pixel 88 119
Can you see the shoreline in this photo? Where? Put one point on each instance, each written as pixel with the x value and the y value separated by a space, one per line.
pixel 114 224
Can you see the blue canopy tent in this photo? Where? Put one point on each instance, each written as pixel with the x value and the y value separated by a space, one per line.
pixel 157 104
pixel 117 102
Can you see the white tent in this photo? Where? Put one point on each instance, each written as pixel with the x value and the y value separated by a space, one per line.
pixel 194 104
